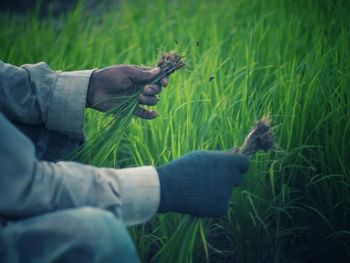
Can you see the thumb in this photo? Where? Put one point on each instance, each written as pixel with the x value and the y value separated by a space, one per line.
pixel 144 76
pixel 241 163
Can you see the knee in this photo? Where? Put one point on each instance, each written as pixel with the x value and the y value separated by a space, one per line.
pixel 106 235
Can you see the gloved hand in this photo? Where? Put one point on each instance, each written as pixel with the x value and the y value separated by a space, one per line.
pixel 121 81
pixel 200 183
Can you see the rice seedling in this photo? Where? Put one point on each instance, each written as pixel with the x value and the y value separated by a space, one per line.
pixel 260 138
pixel 115 121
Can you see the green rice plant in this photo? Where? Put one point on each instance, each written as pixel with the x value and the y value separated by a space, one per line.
pixel 286 58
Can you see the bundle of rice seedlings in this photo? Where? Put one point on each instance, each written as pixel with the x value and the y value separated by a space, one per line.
pixel 115 121
pixel 260 138
pixel 170 62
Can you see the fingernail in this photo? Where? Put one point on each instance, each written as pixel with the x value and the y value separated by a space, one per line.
pixel 155 70
pixel 164 82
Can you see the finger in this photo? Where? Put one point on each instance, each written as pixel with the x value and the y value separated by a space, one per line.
pixel 146 114
pixel 152 89
pixel 148 100
pixel 164 82
pixel 143 67
pixel 131 66
pixel 140 76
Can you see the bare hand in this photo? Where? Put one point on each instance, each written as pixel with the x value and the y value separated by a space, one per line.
pixel 108 84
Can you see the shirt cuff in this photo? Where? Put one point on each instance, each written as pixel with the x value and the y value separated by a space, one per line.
pixel 68 102
pixel 140 193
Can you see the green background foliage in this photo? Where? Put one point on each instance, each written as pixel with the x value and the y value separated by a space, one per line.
pixel 289 59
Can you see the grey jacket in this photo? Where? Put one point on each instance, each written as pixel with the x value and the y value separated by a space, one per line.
pixel 41 120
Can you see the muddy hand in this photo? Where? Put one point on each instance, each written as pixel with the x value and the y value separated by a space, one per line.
pixel 109 87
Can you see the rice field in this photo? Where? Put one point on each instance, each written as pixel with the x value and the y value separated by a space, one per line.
pixel 247 59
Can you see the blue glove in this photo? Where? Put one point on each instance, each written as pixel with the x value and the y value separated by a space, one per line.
pixel 200 183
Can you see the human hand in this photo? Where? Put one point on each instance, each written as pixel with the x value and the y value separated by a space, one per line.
pixel 107 86
pixel 200 183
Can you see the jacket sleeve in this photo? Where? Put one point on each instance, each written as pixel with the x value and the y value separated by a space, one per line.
pixel 30 187
pixel 35 94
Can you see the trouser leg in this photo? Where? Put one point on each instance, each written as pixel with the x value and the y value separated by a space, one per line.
pixel 77 235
